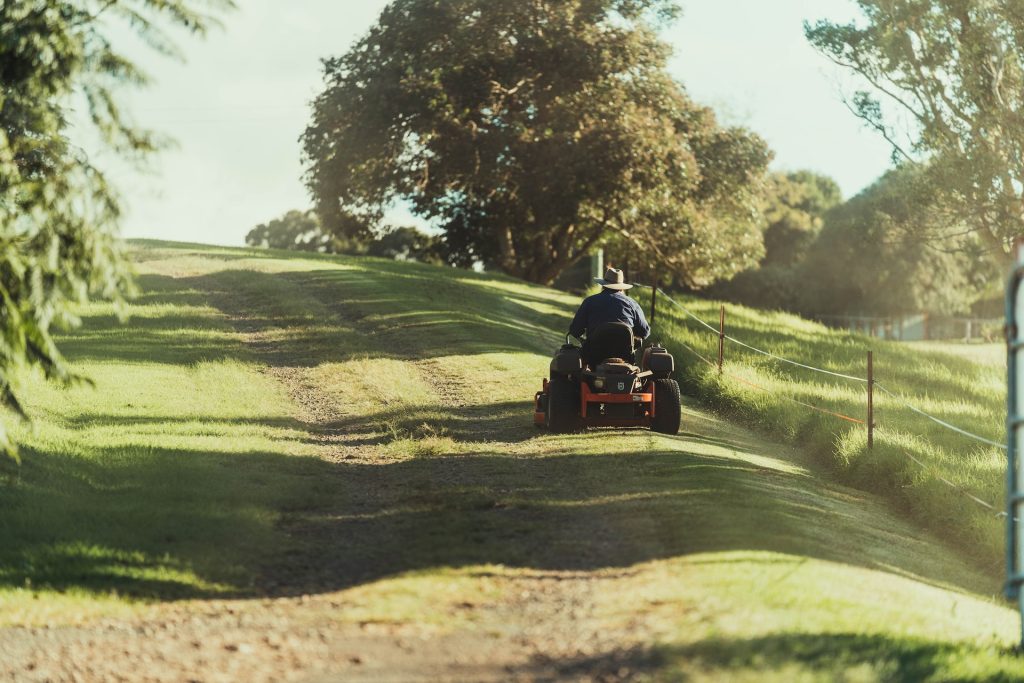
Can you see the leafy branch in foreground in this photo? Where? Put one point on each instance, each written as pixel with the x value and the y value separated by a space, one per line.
pixel 58 214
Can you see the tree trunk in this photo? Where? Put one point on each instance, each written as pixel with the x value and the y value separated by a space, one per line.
pixel 509 260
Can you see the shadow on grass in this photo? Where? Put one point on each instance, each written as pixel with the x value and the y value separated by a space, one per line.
pixel 580 512
pixel 170 524
pixel 183 330
pixel 321 316
pixel 510 421
pixel 149 522
pixel 167 524
pixel 507 421
pixel 825 656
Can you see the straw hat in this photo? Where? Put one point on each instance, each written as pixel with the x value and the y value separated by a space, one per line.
pixel 613 279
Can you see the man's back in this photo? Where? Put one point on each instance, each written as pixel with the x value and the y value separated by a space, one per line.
pixel 608 306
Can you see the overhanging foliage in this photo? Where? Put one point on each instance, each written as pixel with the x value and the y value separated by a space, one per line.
pixel 58 215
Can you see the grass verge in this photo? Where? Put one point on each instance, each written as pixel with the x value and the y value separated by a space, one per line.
pixel 965 387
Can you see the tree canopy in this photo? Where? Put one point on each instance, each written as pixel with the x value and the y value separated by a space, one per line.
pixel 532 132
pixel 867 261
pixel 865 256
pixel 57 213
pixel 955 70
pixel 796 205
pixel 296 230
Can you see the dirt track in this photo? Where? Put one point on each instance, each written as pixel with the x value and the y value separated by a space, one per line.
pixel 545 632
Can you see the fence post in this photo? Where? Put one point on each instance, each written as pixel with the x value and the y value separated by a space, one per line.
pixel 654 300
pixel 871 399
pixel 721 338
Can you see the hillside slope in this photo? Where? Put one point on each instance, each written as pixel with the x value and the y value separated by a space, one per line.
pixel 304 467
pixel 949 482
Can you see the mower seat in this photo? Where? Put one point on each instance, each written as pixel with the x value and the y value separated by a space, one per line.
pixel 616 366
pixel 609 341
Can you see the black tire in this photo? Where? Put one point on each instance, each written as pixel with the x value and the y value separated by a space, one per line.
pixel 668 408
pixel 563 414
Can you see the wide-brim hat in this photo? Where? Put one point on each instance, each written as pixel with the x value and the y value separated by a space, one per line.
pixel 613 279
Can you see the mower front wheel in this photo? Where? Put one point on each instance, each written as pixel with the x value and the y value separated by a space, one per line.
pixel 668 409
pixel 563 413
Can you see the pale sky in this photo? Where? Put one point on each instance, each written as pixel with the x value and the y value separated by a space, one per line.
pixel 238 106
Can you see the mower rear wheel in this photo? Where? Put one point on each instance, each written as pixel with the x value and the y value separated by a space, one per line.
pixel 668 408
pixel 563 414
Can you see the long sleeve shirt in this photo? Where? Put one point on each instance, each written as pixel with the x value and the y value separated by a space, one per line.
pixel 609 306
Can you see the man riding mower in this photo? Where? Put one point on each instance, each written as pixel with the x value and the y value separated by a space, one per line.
pixel 603 383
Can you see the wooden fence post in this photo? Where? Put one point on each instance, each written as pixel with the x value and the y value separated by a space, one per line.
pixel 721 338
pixel 654 300
pixel 871 399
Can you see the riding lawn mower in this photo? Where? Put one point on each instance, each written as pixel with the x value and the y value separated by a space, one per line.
pixel 601 384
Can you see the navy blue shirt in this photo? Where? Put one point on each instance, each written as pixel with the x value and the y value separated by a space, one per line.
pixel 609 306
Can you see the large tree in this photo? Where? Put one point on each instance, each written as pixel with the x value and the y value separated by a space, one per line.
pixel 57 213
pixel 952 71
pixel 532 131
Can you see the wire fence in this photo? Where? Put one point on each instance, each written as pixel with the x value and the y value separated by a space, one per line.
pixel 870 382
pixel 942 423
pixel 755 385
pixel 769 354
pixel 959 489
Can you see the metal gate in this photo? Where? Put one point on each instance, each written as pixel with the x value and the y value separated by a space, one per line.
pixel 1015 432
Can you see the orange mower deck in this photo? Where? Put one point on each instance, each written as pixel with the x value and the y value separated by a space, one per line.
pixel 594 408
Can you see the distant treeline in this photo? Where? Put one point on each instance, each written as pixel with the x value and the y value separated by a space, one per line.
pixel 302 231
pixel 888 251
pixel 884 252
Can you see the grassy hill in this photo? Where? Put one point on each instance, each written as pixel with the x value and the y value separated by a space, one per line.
pixel 308 465
pixel 961 385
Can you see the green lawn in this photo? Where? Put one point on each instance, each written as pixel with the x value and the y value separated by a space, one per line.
pixel 984 353
pixel 165 480
pixel 271 424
